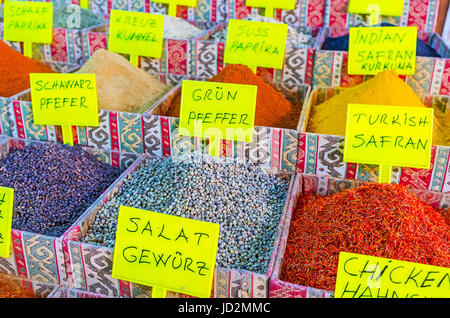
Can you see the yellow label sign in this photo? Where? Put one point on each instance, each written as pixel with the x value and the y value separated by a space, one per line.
pixel 362 276
pixel 6 212
pixel 270 4
pixel 389 135
pixel 84 4
pixel 26 21
pixel 256 43
pixel 165 251
pixel 387 7
pixel 219 110
pixel 174 3
pixel 136 33
pixel 373 50
pixel 64 99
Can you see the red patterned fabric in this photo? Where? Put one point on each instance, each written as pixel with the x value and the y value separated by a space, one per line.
pixel 348 80
pixel 445 86
pixel 125 288
pixel 336 32
pixel 338 13
pixel 241 10
pixel 19 120
pixel 301 156
pixel 58 133
pixel 431 198
pixel 165 134
pixel 352 169
pixel 75 134
pixel 310 184
pixel 214 11
pixel 418 178
pixel 58 47
pixel 418 14
pixel 301 153
pixel 67 263
pixel 16 239
pixel 281 289
pixel 97 41
pixel 114 130
pixel 276 149
pixel 220 56
pixel 316 10
pixel 177 51
pixel 309 67
pixel 182 12
pixel 115 159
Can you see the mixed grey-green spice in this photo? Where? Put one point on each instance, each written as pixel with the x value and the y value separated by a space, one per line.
pixel 246 202
pixel 72 16
pixel 179 29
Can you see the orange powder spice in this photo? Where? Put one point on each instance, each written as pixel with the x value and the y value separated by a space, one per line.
pixel 272 108
pixel 15 69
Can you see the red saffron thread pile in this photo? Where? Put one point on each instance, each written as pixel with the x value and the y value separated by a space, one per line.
pixel 379 220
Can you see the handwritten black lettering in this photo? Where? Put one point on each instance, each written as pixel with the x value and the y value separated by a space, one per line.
pixel 223 118
pixel 148 228
pixel 390 275
pixel 200 235
pixel 351 292
pixel 412 277
pixel 202 266
pixel 132 221
pixel 161 235
pixel 183 235
pixel 216 94
pixel 133 257
pixel 426 279
pixel 143 256
pixel 159 259
pixel 345 266
pixel 381 141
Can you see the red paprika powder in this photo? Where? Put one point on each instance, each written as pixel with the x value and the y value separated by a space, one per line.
pixel 15 69
pixel 378 220
pixel 272 108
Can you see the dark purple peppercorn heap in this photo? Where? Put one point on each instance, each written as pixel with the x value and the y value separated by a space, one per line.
pixel 53 185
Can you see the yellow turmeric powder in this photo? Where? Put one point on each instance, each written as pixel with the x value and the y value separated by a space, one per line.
pixel 441 133
pixel 386 88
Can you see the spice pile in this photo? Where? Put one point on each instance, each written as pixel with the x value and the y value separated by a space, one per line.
pixel 179 29
pixel 386 88
pixel 53 185
pixel 296 38
pixel 241 197
pixel 15 70
pixel 121 86
pixel 272 108
pixel 72 16
pixel 11 288
pixel 379 220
